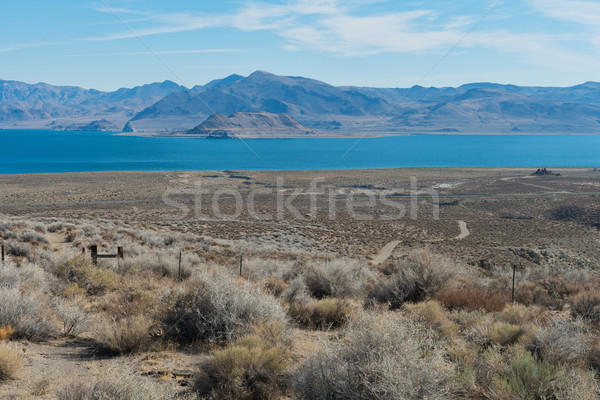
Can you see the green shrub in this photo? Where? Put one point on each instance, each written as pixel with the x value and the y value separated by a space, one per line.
pixel 249 368
pixel 95 280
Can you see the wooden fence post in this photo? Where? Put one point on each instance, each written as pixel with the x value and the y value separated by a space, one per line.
pixel 512 299
pixel 2 254
pixel 94 253
pixel 120 252
pixel 241 261
pixel 179 270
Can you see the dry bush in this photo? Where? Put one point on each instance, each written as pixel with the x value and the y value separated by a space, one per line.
pixel 126 335
pixel 587 305
pixel 18 250
pixel 74 320
pixel 549 292
pixel 10 362
pixel 562 342
pixel 6 332
pixel 322 314
pixel 29 236
pixel 471 298
pixel 381 357
pixel 95 280
pixel 418 277
pixel 26 314
pixel 275 286
pixel 504 334
pixel 338 278
pixel 249 368
pixel 432 314
pixel 215 306
pixel 129 301
pixel 296 292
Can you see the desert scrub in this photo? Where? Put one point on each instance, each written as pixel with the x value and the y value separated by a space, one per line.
pixel 93 279
pixel 321 314
pixel 338 278
pixel 586 305
pixel 74 320
pixel 415 279
pixel 380 356
pixel 563 342
pixel 126 335
pixel 26 314
pixel 10 361
pixel 249 368
pixel 472 298
pixel 524 377
pixel 215 306
pixel 432 314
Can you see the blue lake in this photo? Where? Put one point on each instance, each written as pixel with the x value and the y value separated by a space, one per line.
pixel 47 151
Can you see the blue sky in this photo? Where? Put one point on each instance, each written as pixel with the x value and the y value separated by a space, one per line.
pixel 107 44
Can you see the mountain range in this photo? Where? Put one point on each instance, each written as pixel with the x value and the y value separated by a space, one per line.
pixel 168 107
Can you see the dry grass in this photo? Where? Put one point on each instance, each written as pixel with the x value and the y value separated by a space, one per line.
pixel 321 314
pixel 125 336
pixel 10 362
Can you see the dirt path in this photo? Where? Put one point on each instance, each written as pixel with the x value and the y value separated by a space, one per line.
pixel 464 231
pixel 385 253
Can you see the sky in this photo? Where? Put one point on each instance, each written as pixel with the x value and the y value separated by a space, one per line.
pixel 108 44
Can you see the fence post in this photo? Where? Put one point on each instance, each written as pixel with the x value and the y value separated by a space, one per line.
pixel 120 252
pixel 179 271
pixel 2 254
pixel 241 261
pixel 94 253
pixel 512 299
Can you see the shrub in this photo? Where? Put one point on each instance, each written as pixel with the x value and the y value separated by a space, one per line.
pixel 472 299
pixel 275 286
pixel 30 236
pixel 18 250
pixel 338 278
pixel 26 314
pixel 93 279
pixel 434 315
pixel 10 362
pixel 381 357
pixel 249 368
pixel 586 305
pixel 504 333
pixel 562 342
pixel 5 332
pixel 321 314
pixel 125 335
pixel 217 307
pixel 419 277
pixel 73 318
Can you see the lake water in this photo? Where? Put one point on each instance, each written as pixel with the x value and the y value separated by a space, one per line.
pixel 48 151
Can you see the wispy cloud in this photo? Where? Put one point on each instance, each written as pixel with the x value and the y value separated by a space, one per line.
pixel 343 28
pixel 21 46
pixel 163 52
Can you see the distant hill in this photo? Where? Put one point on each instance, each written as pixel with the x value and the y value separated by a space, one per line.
pixel 42 105
pixel 472 108
pixel 245 125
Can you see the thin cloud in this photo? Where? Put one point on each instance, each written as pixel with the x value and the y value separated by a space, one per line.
pixel 163 52
pixel 21 46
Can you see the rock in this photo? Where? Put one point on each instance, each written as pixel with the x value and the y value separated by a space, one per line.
pixel 544 172
pixel 240 125
pixel 128 127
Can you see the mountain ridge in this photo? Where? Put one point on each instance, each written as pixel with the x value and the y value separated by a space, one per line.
pixel 481 107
